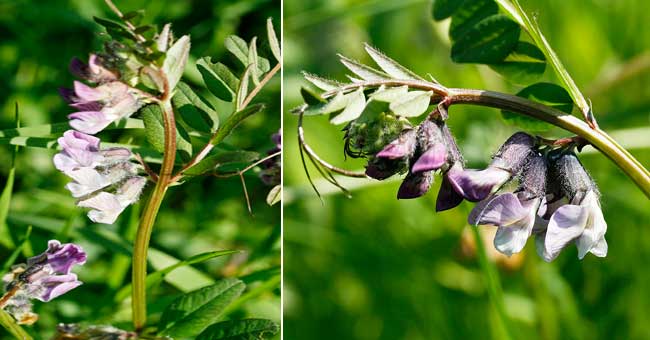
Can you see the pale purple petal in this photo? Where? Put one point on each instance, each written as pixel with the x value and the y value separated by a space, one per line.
pixel 88 94
pixel 130 191
pixel 565 225
pixel 62 257
pixel 512 238
pixel 403 146
pixel 89 121
pixel 593 235
pixel 56 285
pixel 476 185
pixel 105 207
pixel 499 210
pixel 432 159
pixel 86 181
pixel 87 106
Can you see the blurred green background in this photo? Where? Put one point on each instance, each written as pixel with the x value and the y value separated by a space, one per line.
pixel 373 267
pixel 37 41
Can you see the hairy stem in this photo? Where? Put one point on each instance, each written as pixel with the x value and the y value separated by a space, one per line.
pixel 139 303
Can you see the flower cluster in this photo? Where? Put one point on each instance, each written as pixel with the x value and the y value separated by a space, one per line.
pixel 43 277
pixel 528 189
pixel 271 168
pixel 421 150
pixel 112 99
pixel 555 199
pixel 104 180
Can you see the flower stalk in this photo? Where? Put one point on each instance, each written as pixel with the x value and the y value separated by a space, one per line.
pixel 594 136
pixel 139 275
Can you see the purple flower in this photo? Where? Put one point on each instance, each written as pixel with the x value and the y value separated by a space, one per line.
pixel 101 105
pixel 96 173
pixel 514 213
pixel 106 207
pixel 44 277
pixel 415 185
pixel 393 157
pixel 402 147
pixel 581 220
pixel 432 148
pixel 476 185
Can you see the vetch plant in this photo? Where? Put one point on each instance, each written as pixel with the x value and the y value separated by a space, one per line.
pixel 534 186
pixel 136 83
pixel 377 108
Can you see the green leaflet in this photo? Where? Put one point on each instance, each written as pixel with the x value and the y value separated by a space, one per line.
pixel 190 314
pixel 218 79
pixel 469 15
pixel 354 107
pixel 155 132
pixel 193 110
pixel 443 9
pixel 412 104
pixel 365 72
pixel 546 93
pixel 240 49
pixel 274 44
pixel 175 60
pixel 247 329
pixel 390 66
pixel 490 41
pixel 275 195
pixel 524 65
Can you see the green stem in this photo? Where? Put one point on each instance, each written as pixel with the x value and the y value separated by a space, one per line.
pixel 139 303
pixel 10 325
pixel 493 284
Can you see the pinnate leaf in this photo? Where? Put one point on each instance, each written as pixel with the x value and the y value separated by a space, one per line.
pixel 247 329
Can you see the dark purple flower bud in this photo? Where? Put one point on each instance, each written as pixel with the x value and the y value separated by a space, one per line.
pixel 432 148
pixel 271 168
pixel 448 195
pixel 574 181
pixel 382 168
pixel 402 147
pixel 415 185
pixel 512 155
